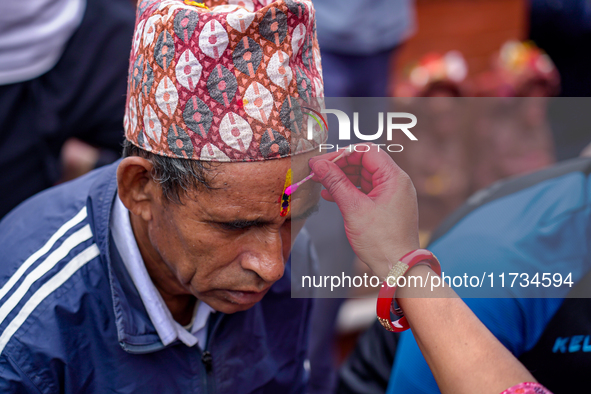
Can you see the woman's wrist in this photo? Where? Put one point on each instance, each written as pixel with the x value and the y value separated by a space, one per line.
pixel 415 293
pixel 386 305
pixel 383 266
pixel 416 283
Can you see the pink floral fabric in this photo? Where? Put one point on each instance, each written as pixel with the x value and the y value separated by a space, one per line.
pixel 527 388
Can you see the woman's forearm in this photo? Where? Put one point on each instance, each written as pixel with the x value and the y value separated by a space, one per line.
pixel 379 207
pixel 462 353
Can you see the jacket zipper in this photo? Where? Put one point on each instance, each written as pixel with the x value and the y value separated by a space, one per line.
pixel 207 359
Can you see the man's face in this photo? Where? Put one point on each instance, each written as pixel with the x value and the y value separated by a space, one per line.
pixel 228 245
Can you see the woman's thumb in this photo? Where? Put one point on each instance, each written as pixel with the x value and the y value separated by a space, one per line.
pixel 345 194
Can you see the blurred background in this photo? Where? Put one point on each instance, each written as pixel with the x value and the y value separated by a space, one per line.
pixel 508 83
pixel 64 116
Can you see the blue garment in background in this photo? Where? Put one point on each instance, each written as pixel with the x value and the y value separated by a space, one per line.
pixel 546 227
pixel 363 27
pixel 355 76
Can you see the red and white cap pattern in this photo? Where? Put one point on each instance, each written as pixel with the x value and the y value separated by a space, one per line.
pixel 222 80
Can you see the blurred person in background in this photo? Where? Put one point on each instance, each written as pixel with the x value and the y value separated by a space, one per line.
pixel 435 75
pixel 63 71
pixel 512 134
pixel 358 40
pixel 519 69
pixel 438 165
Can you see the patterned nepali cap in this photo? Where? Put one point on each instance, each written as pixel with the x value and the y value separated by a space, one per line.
pixel 223 80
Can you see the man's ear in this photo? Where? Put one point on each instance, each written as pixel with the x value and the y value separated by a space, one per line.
pixel 137 190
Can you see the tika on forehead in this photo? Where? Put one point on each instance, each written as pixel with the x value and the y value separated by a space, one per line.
pixel 286 198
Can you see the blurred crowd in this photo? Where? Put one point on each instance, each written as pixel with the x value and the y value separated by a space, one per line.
pixel 468 144
pixel 475 128
pixel 65 117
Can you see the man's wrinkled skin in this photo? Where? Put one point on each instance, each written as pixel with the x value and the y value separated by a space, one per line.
pixel 225 246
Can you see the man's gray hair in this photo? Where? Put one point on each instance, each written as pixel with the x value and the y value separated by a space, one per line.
pixel 174 175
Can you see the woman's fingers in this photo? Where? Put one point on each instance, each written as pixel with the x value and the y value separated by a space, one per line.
pixel 377 201
pixel 338 184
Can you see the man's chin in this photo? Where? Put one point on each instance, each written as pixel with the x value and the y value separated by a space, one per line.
pixel 232 301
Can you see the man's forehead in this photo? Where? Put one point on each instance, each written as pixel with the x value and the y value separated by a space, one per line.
pixel 250 177
pixel 235 176
pixel 251 190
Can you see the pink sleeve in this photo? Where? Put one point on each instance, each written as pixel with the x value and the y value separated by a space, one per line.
pixel 527 388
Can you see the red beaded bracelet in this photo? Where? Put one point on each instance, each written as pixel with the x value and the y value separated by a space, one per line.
pixel 387 292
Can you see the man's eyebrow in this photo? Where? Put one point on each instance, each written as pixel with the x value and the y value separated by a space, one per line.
pixel 309 212
pixel 239 224
pixel 242 224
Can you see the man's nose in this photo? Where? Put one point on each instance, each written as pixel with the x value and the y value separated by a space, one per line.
pixel 265 256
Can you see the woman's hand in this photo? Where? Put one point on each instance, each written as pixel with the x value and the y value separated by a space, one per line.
pixel 381 221
pixel 378 203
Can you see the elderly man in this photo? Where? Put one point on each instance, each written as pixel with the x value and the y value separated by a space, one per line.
pixel 168 271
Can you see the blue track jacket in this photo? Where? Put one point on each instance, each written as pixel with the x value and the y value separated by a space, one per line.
pixel 71 320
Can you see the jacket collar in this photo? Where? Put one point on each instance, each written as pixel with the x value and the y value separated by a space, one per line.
pixel 135 331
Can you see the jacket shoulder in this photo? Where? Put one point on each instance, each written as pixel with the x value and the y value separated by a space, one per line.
pixel 38 224
pixel 53 284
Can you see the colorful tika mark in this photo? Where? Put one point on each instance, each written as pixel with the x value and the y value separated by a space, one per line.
pixel 196 4
pixel 286 198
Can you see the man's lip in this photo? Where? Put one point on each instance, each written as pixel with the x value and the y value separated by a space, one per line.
pixel 246 297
